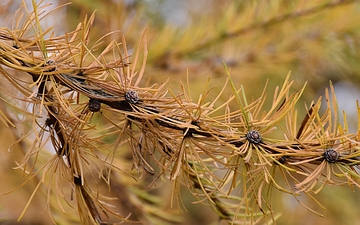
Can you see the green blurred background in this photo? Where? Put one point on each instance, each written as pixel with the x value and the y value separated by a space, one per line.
pixel 260 41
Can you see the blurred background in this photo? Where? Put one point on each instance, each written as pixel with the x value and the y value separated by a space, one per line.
pixel 261 41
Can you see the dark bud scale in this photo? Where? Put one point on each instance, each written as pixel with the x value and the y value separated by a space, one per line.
pixel 94 105
pixel 282 159
pixel 50 121
pixel 77 180
pixel 132 97
pixel 253 137
pixel 331 155
pixel 50 62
